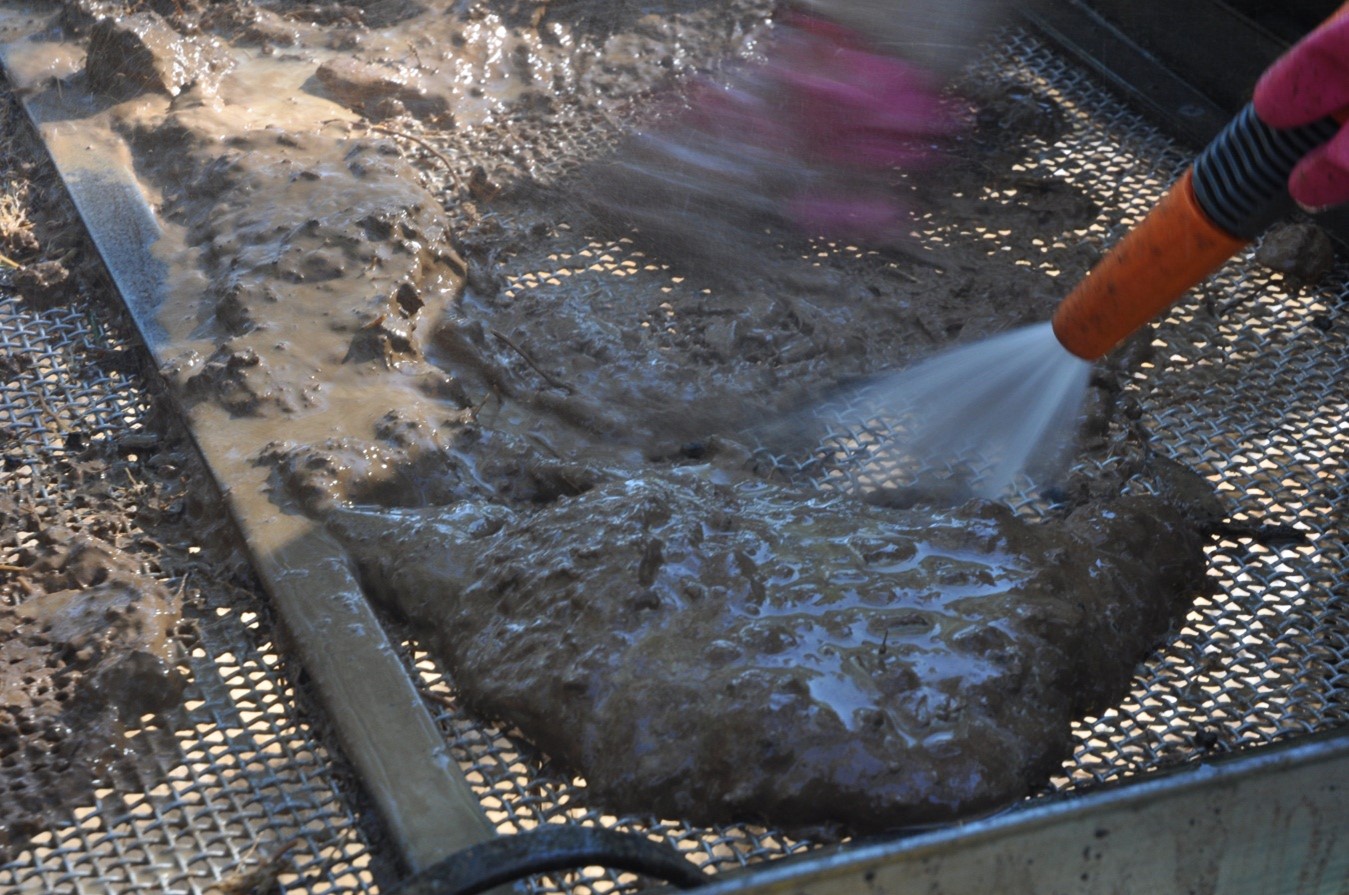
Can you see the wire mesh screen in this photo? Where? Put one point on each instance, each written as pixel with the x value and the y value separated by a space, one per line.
pixel 1248 397
pixel 234 783
pixel 1244 387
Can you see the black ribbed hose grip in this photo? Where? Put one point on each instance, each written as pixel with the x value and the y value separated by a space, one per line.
pixel 1241 178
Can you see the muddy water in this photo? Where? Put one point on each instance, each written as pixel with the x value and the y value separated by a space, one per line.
pixel 470 339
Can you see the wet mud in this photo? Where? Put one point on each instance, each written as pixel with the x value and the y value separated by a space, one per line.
pixel 698 649
pixel 112 538
pixel 547 421
pixel 93 648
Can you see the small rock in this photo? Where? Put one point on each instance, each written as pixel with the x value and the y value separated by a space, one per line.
pixel 387 339
pixel 363 86
pixel 268 28
pixel 384 108
pixel 238 380
pixel 1300 251
pixel 44 285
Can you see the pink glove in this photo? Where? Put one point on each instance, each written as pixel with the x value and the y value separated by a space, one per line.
pixel 1309 82
pixel 855 106
pixel 814 131
pixel 857 113
pixel 811 135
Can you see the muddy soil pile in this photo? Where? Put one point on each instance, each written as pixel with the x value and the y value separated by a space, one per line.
pixel 699 650
pixel 471 335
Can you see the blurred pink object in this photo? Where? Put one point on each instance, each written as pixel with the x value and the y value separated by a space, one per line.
pixel 815 136
pixel 815 132
pixel 1309 82
pixel 851 104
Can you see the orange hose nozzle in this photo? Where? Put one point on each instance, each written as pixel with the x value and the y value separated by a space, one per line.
pixel 1172 249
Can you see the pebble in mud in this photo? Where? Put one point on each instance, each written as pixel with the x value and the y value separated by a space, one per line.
pixel 46 284
pixel 1018 109
pixel 238 381
pixel 1301 251
pixel 364 86
pixel 255 26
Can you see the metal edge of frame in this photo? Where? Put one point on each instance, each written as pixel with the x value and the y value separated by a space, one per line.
pixel 402 758
pixel 1139 77
pixel 1208 44
pixel 1267 820
pixel 1141 49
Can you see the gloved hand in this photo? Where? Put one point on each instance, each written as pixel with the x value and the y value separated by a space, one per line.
pixel 850 114
pixel 855 106
pixel 810 136
pixel 1309 82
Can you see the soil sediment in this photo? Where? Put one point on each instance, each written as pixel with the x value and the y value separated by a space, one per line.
pixel 724 653
pixel 480 345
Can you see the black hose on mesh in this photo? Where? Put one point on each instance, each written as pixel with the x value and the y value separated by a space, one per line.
pixel 548 849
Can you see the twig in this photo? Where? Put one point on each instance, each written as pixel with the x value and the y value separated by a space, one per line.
pixel 477 408
pixel 61 426
pixel 547 377
pixel 444 160
pixel 1268 534
pixel 258 879
pixel 445 699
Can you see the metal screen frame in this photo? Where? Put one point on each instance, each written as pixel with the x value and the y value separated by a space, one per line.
pixel 1283 773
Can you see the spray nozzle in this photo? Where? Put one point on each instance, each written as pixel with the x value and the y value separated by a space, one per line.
pixel 1233 191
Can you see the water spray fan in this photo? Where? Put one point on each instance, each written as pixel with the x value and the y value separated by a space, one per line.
pixel 1006 405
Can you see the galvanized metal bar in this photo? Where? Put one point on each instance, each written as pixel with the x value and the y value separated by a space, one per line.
pixel 382 723
pixel 1271 821
pixel 1188 67
pixel 1185 111
pixel 1207 43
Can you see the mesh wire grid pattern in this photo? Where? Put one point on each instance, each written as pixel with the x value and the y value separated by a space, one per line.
pixel 238 775
pixel 1244 389
pixel 1262 658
